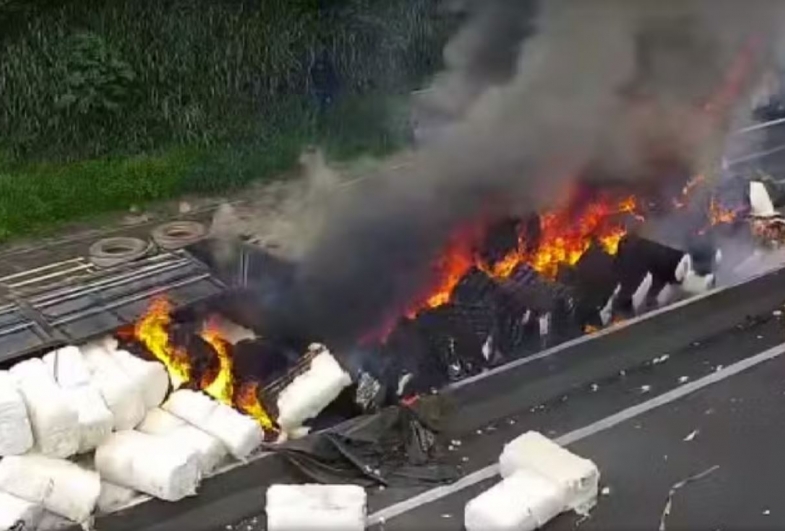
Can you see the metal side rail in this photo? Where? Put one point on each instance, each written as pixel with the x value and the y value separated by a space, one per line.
pixel 72 302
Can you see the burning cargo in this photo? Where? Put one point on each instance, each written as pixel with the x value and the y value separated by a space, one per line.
pixel 186 391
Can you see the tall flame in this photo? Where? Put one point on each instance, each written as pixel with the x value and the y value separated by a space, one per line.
pixel 247 401
pixel 565 235
pixel 152 331
pixel 222 385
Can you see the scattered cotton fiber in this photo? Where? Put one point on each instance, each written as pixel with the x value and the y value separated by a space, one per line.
pixel 310 392
pixel 149 464
pixel 114 497
pixel 212 452
pixel 54 421
pixel 150 376
pixel 534 452
pixel 16 435
pixel 62 487
pixel 316 508
pixel 522 502
pixel 239 433
pixel 120 393
pixel 18 514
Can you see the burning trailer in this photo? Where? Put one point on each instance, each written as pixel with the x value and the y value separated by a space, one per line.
pixel 190 385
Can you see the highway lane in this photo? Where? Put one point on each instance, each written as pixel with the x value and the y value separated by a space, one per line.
pixel 581 407
pixel 734 424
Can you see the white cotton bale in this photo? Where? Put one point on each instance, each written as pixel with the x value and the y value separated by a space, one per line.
pixel 312 391
pixel 191 406
pixel 18 514
pixel 524 501
pixel 761 204
pixel 114 497
pixel 684 265
pixel 316 508
pixel 71 372
pixel 533 451
pixel 60 486
pixel 54 420
pixel 16 433
pixel 160 422
pixel 150 376
pixel 149 464
pixel 53 522
pixel 239 433
pixel 212 451
pixel 68 367
pixel 95 420
pixel 120 393
pixel 641 292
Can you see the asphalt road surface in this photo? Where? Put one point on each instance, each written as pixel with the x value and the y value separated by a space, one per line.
pixel 667 424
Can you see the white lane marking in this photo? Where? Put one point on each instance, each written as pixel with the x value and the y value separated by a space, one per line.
pixel 601 425
pixel 757 127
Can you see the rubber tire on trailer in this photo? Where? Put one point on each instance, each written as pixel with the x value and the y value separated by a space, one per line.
pixel 110 252
pixel 178 234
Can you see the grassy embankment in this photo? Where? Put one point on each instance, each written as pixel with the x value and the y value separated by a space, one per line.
pixel 110 103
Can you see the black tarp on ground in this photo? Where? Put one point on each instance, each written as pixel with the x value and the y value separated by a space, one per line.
pixel 398 446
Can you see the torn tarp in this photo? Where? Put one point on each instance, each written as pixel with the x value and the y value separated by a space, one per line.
pixel 398 446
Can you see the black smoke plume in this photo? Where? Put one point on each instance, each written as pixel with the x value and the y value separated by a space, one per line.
pixel 612 86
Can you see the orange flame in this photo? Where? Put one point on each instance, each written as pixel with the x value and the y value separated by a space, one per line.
pixel 222 385
pixel 565 236
pixel 152 332
pixel 686 192
pixel 719 215
pixel 247 400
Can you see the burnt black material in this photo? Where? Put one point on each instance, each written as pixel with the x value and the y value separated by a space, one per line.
pixel 502 238
pixel 593 280
pixel 476 287
pixel 204 360
pixel 527 290
pixel 638 257
pixel 262 360
pixel 703 253
pixel 399 446
pixel 456 334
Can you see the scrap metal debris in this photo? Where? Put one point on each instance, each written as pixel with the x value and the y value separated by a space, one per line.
pixel 666 511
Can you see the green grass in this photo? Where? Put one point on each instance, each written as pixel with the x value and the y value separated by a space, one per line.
pixel 170 97
pixel 42 196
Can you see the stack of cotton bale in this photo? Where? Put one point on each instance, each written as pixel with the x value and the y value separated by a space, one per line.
pixel 540 480
pixel 100 405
